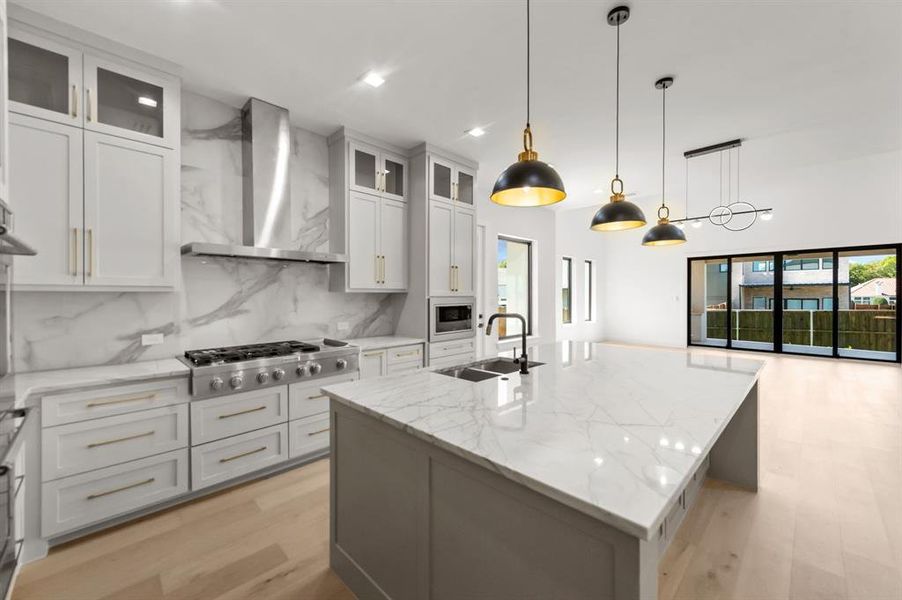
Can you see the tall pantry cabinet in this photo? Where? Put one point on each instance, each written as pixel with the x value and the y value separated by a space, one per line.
pixel 93 165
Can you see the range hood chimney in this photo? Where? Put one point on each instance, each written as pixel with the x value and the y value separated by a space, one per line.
pixel 266 206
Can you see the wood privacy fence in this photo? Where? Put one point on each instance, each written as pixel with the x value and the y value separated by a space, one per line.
pixel 862 329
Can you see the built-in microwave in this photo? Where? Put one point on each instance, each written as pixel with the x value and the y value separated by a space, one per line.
pixel 451 318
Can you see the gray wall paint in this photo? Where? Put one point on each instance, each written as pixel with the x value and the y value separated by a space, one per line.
pixel 217 301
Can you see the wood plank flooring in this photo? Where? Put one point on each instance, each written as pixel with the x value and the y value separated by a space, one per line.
pixel 825 524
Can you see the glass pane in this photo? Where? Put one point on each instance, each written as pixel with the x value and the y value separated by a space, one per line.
pixel 465 188
pixel 807 325
pixel 566 289
pixel 38 77
pixel 752 304
pixel 394 177
pixel 514 284
pixel 129 103
pixel 441 180
pixel 364 169
pixel 868 304
pixel 588 292
pixel 708 304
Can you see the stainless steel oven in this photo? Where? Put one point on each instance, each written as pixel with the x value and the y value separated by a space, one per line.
pixel 451 318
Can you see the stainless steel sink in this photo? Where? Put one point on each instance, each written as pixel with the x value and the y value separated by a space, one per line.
pixel 485 369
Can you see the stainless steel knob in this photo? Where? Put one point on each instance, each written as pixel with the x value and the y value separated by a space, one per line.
pixel 236 381
pixel 315 368
pixel 216 384
pixel 301 370
pixel 262 377
pixel 341 364
pixel 278 374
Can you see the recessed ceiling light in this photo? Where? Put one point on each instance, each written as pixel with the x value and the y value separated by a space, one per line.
pixel 477 132
pixel 373 79
pixel 147 101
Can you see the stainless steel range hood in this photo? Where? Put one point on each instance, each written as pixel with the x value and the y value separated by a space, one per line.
pixel 266 230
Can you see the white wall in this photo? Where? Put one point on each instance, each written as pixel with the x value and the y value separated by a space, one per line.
pixel 575 240
pixel 825 191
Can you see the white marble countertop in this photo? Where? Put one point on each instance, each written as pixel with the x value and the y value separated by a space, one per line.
pixel 384 341
pixel 20 386
pixel 612 431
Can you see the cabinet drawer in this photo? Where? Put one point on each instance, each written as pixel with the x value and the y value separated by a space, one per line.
pixel 57 409
pixel 408 367
pixel 440 349
pixel 234 456
pixel 306 399
pixel 218 418
pixel 453 360
pixel 88 445
pixel 309 435
pixel 405 354
pixel 99 495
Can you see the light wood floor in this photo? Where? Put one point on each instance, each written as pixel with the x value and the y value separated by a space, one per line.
pixel 826 523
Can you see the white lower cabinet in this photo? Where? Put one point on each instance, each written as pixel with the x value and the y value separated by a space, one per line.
pixel 377 362
pixel 88 445
pixel 217 418
pixel 452 353
pixel 305 399
pixel 238 455
pixel 308 435
pixel 99 495
pixel 69 407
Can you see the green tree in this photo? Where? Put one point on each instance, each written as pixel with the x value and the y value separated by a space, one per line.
pixel 878 300
pixel 861 272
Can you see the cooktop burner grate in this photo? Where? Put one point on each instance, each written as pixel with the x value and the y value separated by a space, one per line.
pixel 233 354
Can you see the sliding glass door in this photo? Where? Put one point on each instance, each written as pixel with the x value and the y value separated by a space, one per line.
pixel 839 302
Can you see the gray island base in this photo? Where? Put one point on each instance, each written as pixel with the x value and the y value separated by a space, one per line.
pixel 442 489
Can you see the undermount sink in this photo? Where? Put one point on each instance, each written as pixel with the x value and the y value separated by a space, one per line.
pixel 485 369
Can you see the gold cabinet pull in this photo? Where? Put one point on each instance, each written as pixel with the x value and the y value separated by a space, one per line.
pixel 243 412
pixel 122 439
pixel 410 353
pixel 88 104
pixel 312 433
pixel 122 489
pixel 90 252
pixel 371 354
pixel 73 258
pixel 383 268
pixel 317 397
pixel 242 455
pixel 120 400
pixel 74 101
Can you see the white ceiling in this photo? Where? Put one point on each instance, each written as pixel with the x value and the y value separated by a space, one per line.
pixel 743 69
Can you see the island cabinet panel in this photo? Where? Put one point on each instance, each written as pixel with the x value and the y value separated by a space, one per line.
pixel 411 520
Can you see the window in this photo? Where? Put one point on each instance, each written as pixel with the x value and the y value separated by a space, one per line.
pixel 827 263
pixel 514 285
pixel 792 265
pixel 801 303
pixel 722 267
pixel 811 264
pixel 588 290
pixel 759 266
pixel 759 302
pixel 566 290
pixel 827 303
pixel 802 264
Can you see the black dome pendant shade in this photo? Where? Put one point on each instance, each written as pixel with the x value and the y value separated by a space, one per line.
pixel 664 233
pixel 618 214
pixel 529 181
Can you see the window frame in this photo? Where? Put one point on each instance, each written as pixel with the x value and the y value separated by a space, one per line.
pixel 589 292
pixel 779 281
pixel 530 265
pixel 567 263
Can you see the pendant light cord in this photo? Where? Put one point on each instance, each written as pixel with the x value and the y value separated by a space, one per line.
pixel 663 137
pixel 617 112
pixel 527 65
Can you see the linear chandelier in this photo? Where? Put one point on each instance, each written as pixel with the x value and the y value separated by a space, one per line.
pixel 724 215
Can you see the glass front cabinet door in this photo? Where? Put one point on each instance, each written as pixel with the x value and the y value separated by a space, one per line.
pixel 45 78
pixel 364 163
pixel 130 103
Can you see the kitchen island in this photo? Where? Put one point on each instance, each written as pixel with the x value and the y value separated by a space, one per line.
pixel 567 482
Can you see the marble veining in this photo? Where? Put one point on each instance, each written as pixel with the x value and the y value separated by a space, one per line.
pixel 218 301
pixel 612 431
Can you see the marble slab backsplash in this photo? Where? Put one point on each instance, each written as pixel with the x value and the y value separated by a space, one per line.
pixel 219 301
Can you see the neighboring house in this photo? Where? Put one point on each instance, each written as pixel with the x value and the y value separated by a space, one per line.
pixel 807 284
pixel 879 287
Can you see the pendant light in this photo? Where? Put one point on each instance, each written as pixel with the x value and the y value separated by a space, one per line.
pixel 664 233
pixel 619 213
pixel 529 181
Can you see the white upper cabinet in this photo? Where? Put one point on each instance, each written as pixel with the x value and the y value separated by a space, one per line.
pixel 4 108
pixel 452 231
pixel 375 171
pixel 131 103
pixel 450 182
pixel 368 214
pixel 129 216
pixel 464 243
pixel 45 78
pixel 46 188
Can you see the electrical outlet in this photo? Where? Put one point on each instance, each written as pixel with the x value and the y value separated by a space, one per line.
pixel 342 326
pixel 151 339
